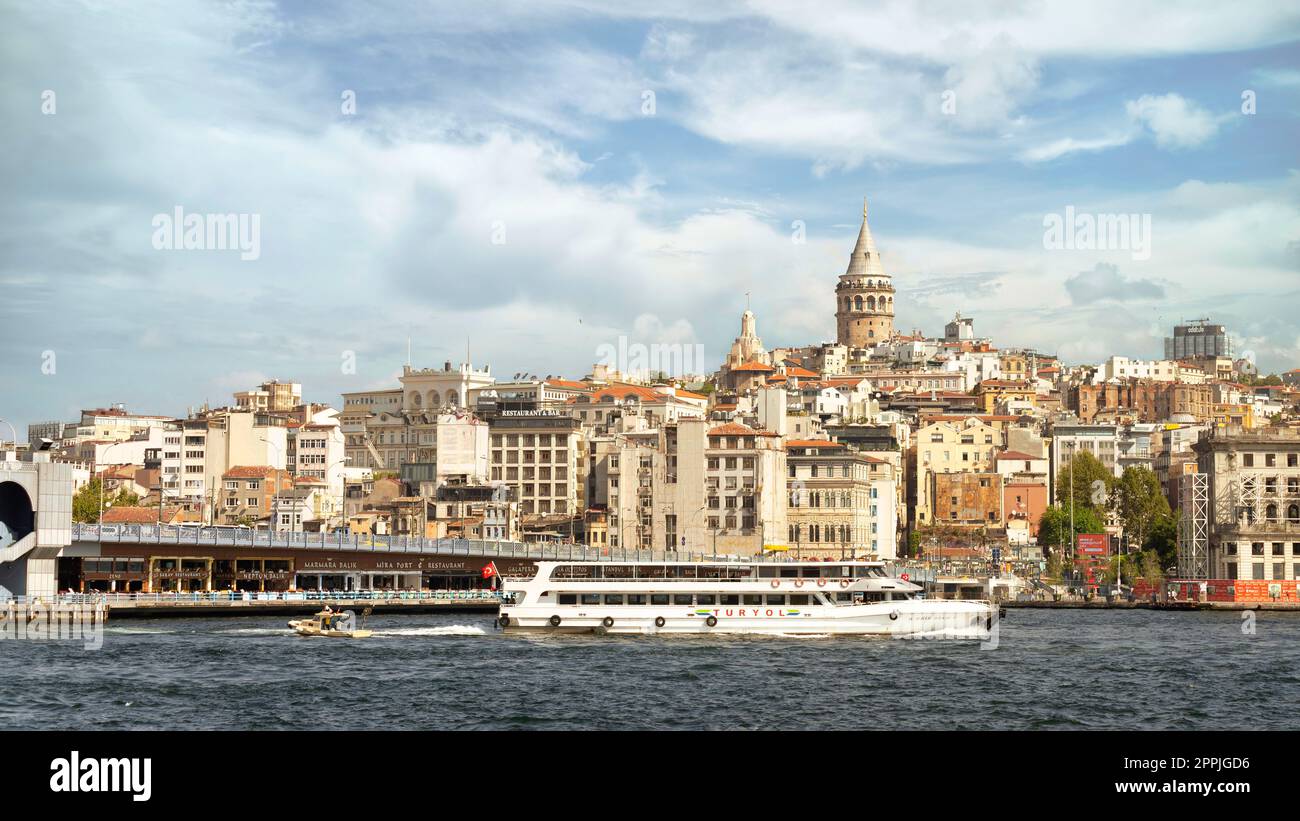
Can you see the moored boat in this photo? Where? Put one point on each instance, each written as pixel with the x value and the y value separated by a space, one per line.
pixel 751 597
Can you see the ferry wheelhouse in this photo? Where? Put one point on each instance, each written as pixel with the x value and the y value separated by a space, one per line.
pixel 771 597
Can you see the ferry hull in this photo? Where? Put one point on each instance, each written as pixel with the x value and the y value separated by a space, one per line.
pixel 910 619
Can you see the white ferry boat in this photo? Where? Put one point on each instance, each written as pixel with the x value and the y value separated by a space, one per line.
pixel 765 597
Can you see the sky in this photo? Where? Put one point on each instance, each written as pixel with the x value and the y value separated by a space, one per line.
pixel 527 183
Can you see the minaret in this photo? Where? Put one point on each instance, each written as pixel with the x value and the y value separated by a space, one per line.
pixel 864 297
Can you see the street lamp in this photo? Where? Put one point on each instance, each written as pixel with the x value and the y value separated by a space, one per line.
pixel 101 481
pixel 14 431
pixel 275 505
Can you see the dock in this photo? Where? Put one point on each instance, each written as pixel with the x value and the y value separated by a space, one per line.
pixel 1079 604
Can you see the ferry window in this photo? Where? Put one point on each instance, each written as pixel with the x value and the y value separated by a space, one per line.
pixel 766 572
pixel 729 598
pixel 683 598
pixel 861 572
pixel 568 598
pixel 844 597
pixel 898 597
pixel 650 572
pixel 776 599
pixel 705 598
pixel 789 572
pixel 591 598
pixel 753 598
pixel 688 571
pixel 798 598
pixel 636 598
pixel 613 598
pixel 809 572
pixel 659 598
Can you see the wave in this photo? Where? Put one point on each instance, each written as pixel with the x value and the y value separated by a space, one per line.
pixel 448 630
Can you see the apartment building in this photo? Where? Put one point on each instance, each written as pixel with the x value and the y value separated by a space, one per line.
pixel 1102 441
pixel 249 494
pixel 841 501
pixel 1141 400
pixel 271 396
pixel 969 500
pixel 993 392
pixel 539 455
pixel 967 446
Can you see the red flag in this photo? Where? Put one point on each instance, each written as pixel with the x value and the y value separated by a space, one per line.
pixel 490 570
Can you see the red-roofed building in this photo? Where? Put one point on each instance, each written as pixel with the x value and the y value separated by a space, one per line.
pixel 171 514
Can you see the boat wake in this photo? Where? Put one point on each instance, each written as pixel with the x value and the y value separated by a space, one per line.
pixel 449 630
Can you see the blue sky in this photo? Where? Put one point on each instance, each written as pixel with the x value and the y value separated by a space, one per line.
pixel 528 119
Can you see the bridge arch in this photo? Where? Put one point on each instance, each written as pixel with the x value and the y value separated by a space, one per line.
pixel 17 516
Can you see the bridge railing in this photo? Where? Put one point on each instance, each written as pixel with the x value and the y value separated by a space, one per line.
pixel 248 537
pixel 226 596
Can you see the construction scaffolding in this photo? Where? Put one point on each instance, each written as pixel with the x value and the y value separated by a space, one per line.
pixel 1194 528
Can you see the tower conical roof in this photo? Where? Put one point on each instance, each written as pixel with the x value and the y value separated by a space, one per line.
pixel 865 260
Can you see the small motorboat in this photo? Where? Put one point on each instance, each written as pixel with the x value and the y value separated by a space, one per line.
pixel 332 624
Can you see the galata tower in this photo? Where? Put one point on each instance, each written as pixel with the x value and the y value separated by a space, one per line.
pixel 864 297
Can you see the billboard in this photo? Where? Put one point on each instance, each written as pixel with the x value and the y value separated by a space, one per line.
pixel 1092 544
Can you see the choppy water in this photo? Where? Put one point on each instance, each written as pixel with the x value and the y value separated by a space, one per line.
pixel 1052 669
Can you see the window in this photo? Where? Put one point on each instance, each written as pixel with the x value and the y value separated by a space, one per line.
pixel 636 598
pixel 729 598
pixel 568 598
pixel 705 598
pixel 613 598
pixel 591 598
pixel 683 599
pixel 775 599
pixel 753 599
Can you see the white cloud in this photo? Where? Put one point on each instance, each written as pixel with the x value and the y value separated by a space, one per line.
pixel 1069 145
pixel 1173 120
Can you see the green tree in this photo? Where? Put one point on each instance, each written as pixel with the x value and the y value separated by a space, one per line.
pixel 86 504
pixel 1089 483
pixel 1054 526
pixel 914 544
pixel 1162 541
pixel 1149 567
pixel 1141 503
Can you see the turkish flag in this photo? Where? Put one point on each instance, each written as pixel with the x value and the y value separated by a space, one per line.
pixel 490 570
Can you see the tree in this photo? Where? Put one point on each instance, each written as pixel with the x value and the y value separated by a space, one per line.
pixel 86 504
pixel 1054 526
pixel 1162 541
pixel 913 544
pixel 1089 483
pixel 1149 567
pixel 1141 503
